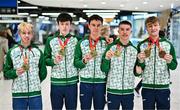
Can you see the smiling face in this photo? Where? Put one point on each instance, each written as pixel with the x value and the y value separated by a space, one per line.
pixel 153 26
pixel 26 33
pixel 153 29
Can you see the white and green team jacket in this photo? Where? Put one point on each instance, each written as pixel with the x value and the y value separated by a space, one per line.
pixel 120 78
pixel 63 73
pixel 156 73
pixel 28 83
pixel 90 72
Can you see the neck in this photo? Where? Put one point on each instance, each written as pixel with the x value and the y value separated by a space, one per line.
pixel 154 37
pixel 25 44
pixel 94 37
pixel 63 34
pixel 124 42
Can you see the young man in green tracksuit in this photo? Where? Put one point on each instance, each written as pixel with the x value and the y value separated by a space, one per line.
pixel 59 54
pixel 25 65
pixel 88 54
pixel 156 57
pixel 119 63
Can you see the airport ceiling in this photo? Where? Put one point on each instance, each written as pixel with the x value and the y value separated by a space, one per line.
pixel 77 6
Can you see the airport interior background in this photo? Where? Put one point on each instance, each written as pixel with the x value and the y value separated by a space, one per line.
pixel 42 14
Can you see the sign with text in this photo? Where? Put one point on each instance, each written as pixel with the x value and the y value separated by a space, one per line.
pixel 8 6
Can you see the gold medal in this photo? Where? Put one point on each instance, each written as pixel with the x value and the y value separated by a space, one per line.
pixel 117 53
pixel 147 52
pixel 25 67
pixel 162 53
pixel 62 52
pixel 93 53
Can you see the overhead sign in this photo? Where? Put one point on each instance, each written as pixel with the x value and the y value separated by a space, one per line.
pixel 8 7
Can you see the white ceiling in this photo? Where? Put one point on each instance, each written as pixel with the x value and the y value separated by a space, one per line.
pixel 129 5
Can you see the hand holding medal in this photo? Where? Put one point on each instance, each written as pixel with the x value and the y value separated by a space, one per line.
pixel 93 51
pixel 109 54
pixel 25 63
pixel 62 50
pixel 162 53
pixel 147 52
pixel 117 52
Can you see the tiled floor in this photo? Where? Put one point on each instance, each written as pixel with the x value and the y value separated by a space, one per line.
pixel 5 93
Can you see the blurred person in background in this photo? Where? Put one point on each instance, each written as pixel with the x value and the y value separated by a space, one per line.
pixel 9 36
pixel 3 50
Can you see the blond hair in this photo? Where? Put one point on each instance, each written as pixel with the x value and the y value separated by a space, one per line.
pixel 24 25
pixel 105 30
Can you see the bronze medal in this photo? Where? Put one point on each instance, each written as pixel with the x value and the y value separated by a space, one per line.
pixel 25 67
pixel 117 53
pixel 62 52
pixel 162 53
pixel 93 53
pixel 147 52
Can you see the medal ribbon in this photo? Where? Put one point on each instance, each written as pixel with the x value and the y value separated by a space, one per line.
pixel 118 47
pixel 25 57
pixel 93 46
pixel 63 45
pixel 152 41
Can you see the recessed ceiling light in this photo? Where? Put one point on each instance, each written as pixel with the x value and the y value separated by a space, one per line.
pixel 122 5
pixel 84 5
pixel 145 3
pixel 103 3
pixel 136 8
pixel 161 6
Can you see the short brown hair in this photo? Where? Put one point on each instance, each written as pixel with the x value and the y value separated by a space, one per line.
pixel 151 20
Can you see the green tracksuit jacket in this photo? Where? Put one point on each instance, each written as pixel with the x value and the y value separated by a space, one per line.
pixel 63 73
pixel 28 83
pixel 120 78
pixel 90 72
pixel 156 73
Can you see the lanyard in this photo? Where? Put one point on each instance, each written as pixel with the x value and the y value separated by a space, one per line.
pixel 25 57
pixel 93 46
pixel 63 45
pixel 152 41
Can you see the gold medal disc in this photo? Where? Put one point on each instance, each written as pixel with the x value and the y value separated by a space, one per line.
pixel 147 52
pixel 162 53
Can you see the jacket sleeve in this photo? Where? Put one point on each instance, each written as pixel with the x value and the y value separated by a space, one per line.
pixel 78 60
pixel 105 64
pixel 42 68
pixel 138 63
pixel 49 61
pixel 8 69
pixel 173 64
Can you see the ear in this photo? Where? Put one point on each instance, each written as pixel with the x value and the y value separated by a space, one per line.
pixel 88 25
